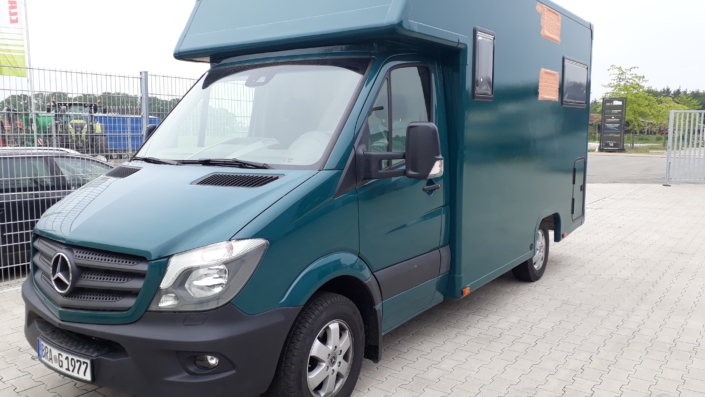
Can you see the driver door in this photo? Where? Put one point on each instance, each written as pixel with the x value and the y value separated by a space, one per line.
pixel 400 220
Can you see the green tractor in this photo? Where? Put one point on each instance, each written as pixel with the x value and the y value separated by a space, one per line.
pixel 75 128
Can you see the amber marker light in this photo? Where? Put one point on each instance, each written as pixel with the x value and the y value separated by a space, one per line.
pixel 466 291
pixel 565 235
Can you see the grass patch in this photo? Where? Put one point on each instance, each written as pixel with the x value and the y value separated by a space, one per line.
pixel 658 149
pixel 640 139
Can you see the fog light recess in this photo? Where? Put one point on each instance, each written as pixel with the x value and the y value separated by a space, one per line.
pixel 206 362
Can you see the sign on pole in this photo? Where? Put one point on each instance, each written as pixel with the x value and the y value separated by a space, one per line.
pixel 614 113
pixel 12 39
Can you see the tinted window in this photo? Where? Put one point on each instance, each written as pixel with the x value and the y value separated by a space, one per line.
pixel 79 171
pixel 575 79
pixel 26 174
pixel 484 65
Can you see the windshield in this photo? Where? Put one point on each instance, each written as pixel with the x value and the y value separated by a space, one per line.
pixel 283 115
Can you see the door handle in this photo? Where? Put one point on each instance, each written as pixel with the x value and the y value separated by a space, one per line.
pixel 432 187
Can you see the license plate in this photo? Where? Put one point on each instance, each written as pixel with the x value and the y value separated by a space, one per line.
pixel 66 363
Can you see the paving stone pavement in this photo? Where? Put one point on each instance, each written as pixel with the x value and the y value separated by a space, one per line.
pixel 620 312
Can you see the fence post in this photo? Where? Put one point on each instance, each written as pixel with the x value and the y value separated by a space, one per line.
pixel 670 148
pixel 144 77
pixel 129 136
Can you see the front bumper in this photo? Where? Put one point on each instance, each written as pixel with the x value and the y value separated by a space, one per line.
pixel 154 355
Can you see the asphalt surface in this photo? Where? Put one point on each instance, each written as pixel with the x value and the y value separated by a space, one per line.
pixel 626 168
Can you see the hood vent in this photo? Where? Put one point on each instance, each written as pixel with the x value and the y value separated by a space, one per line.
pixel 122 172
pixel 237 180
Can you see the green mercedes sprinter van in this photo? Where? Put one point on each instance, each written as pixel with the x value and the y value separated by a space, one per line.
pixel 341 168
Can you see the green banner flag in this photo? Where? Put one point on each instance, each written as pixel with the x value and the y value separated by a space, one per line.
pixel 13 55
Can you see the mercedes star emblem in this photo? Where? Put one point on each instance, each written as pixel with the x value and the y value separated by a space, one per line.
pixel 62 273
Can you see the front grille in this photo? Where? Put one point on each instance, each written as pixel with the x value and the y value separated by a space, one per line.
pixel 78 343
pixel 237 180
pixel 105 281
pixel 95 296
pixel 108 277
pixel 95 256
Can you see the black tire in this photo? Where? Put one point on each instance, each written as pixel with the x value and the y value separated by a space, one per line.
pixel 527 271
pixel 322 310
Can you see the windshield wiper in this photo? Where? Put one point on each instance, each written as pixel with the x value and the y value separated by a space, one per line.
pixel 155 160
pixel 229 163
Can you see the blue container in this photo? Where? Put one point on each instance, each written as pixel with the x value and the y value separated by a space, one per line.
pixel 123 131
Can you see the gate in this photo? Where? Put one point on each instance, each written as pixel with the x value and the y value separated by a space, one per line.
pixel 686 147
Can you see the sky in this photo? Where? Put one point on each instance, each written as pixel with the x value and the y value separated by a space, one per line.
pixel 662 37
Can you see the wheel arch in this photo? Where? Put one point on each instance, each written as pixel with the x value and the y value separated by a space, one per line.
pixel 552 219
pixel 347 275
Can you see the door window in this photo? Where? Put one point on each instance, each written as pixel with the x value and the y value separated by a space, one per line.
pixel 409 89
pixel 378 121
pixel 411 100
pixel 25 174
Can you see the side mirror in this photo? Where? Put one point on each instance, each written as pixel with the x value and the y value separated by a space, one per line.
pixel 150 130
pixel 423 156
pixel 423 151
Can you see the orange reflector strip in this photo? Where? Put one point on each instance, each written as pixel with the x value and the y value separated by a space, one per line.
pixel 551 21
pixel 466 291
pixel 565 235
pixel 549 85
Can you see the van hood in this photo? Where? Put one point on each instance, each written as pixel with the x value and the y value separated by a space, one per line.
pixel 160 211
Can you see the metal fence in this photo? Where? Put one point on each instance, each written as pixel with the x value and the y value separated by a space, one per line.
pixel 59 130
pixel 96 114
pixel 686 147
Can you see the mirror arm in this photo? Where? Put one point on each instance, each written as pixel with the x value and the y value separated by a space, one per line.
pixel 375 160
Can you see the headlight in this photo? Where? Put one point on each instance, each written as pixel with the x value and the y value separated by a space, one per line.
pixel 208 277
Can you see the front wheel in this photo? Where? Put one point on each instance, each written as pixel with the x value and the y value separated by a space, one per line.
pixel 323 354
pixel 533 269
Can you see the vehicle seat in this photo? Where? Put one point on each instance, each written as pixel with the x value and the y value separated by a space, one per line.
pixel 309 147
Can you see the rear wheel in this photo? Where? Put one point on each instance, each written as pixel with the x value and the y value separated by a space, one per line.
pixel 533 269
pixel 323 354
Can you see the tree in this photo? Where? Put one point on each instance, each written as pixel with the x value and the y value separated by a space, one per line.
pixel 641 106
pixel 688 102
pixel 595 106
pixel 663 113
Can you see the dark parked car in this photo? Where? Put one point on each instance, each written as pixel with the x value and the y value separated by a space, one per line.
pixel 32 180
